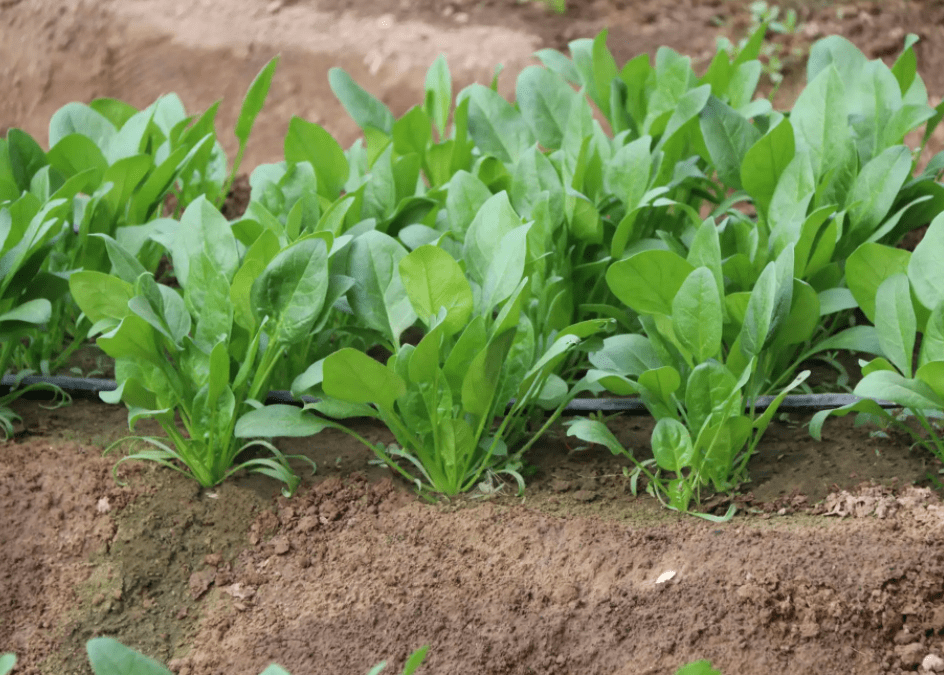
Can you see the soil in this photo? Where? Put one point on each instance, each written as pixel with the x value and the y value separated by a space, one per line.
pixel 810 577
pixel 834 563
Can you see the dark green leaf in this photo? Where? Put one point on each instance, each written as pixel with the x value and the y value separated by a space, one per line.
pixel 506 268
pixel 876 188
pixel 760 312
pixel 117 112
pixel 77 118
pixel 696 315
pixel 932 374
pixel 545 100
pixel 465 196
pixel 868 267
pixel 77 153
pixel 34 311
pixel 708 391
pixel 820 123
pixel 628 172
pixel 438 93
pixel 594 431
pixel 498 129
pixel 558 63
pixel 100 295
pixel 434 280
pixel 482 377
pixel 378 297
pixel 932 342
pixel 412 132
pixel 494 219
pixel 26 157
pixel 891 386
pixel 626 354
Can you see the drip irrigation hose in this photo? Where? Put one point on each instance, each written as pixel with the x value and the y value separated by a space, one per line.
pixel 80 387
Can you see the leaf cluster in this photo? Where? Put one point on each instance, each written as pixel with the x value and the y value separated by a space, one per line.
pixel 902 293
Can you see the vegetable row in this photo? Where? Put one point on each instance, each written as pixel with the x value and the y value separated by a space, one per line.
pixel 464 271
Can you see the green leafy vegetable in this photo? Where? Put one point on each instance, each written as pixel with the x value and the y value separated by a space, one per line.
pixel 903 299
pixel 440 397
pixel 193 355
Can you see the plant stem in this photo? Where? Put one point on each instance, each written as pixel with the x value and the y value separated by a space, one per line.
pixel 269 359
pixel 232 176
pixel 5 355
pixel 932 435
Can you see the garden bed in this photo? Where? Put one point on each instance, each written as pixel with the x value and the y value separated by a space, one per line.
pixel 832 563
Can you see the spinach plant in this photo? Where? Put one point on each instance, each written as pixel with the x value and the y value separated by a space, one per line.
pixel 320 189
pixel 607 198
pixel 659 154
pixel 841 148
pixel 116 166
pixel 642 98
pixel 903 294
pixel 698 364
pixel 419 141
pixel 286 207
pixel 208 353
pixel 28 231
pixel 440 397
pixel 582 188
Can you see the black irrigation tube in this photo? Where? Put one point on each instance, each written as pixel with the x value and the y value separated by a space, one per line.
pixel 79 387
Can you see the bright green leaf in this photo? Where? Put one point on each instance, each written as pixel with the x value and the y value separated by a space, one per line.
pixel 696 315
pixel 649 281
pixel 926 267
pixel 672 445
pixel 895 322
pixel 353 376
pixel 433 279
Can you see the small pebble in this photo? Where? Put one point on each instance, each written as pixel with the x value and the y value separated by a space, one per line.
pixel 933 662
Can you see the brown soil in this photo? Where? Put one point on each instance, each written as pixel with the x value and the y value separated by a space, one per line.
pixel 354 569
pixel 813 575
